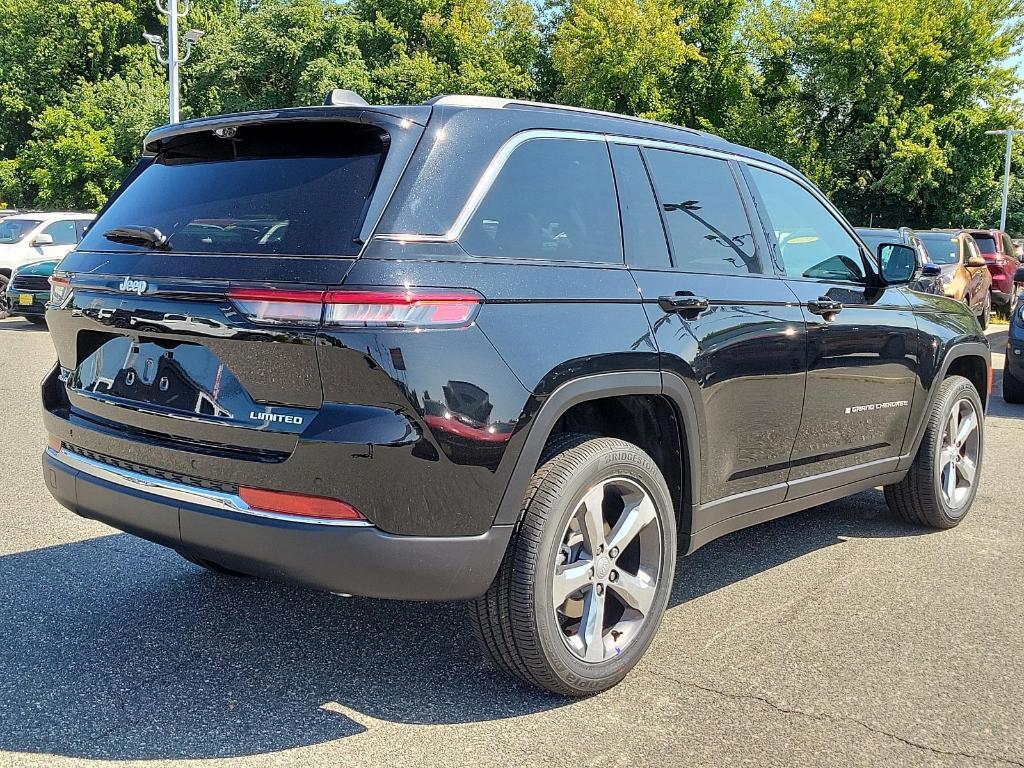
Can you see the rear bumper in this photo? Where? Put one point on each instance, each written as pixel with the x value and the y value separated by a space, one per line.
pixel 354 558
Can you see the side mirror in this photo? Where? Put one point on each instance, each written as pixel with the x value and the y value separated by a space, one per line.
pixel 901 264
pixel 1018 276
pixel 976 261
pixel 40 240
pixel 931 270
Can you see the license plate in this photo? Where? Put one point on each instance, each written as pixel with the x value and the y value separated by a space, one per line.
pixel 25 299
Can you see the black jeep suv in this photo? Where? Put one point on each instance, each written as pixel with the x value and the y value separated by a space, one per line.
pixel 494 351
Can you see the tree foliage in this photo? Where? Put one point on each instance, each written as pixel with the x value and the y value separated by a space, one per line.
pixel 884 104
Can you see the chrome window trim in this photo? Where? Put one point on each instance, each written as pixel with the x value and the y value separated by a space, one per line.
pixel 497 163
pixel 180 492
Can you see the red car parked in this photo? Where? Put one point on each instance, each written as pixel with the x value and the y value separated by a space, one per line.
pixel 1001 259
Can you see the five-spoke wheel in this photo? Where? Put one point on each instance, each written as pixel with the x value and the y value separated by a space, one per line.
pixel 587 576
pixel 607 569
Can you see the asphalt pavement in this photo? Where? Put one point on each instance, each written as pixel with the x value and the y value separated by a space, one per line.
pixel 836 637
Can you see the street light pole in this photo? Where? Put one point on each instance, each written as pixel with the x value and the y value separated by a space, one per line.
pixel 171 10
pixel 1009 133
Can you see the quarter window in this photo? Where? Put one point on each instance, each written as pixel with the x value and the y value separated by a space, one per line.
pixel 812 242
pixel 643 233
pixel 554 199
pixel 707 225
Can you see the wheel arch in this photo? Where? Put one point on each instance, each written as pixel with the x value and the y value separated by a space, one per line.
pixel 598 393
pixel 973 361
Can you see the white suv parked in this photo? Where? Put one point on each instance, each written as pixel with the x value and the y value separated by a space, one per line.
pixel 27 237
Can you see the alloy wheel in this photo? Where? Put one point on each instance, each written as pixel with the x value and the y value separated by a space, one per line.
pixel 607 569
pixel 958 457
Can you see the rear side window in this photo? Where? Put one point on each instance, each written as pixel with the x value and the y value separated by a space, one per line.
pixel 643 234
pixel 278 188
pixel 703 211
pixel 554 199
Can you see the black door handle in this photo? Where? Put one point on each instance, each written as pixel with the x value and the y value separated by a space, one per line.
pixel 825 307
pixel 684 305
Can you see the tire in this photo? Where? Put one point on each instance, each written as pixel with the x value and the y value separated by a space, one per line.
pixel 1013 388
pixel 521 624
pixel 35 320
pixel 923 496
pixel 986 313
pixel 208 565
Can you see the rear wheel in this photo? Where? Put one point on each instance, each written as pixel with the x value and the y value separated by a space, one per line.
pixel 36 320
pixel 1013 388
pixel 943 480
pixel 587 575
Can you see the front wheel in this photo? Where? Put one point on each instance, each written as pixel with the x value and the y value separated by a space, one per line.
pixel 587 575
pixel 943 480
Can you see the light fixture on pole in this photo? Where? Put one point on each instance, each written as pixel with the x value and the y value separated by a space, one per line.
pixel 172 11
pixel 1009 133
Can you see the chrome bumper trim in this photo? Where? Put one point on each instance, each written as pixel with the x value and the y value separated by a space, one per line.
pixel 180 492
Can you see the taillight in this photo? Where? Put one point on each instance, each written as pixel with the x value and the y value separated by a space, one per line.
pixel 400 308
pixel 269 305
pixel 60 289
pixel 298 504
pixel 415 308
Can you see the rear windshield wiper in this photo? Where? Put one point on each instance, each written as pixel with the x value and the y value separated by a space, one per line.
pixel 150 237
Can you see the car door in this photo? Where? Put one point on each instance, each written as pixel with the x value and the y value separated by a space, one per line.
pixel 65 237
pixel 977 277
pixel 724 323
pixel 861 340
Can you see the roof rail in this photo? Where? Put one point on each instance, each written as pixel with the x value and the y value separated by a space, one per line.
pixel 495 102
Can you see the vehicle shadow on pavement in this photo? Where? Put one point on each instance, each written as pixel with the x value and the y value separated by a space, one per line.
pixel 113 648
pixel 746 553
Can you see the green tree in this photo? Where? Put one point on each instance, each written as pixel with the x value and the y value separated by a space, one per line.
pixel 283 53
pixel 883 103
pixel 622 55
pixel 417 49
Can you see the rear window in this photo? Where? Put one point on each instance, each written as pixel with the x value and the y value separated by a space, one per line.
pixel 280 188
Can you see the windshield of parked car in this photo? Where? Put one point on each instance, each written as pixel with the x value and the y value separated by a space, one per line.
pixel 986 243
pixel 14 230
pixel 282 189
pixel 942 248
pixel 875 239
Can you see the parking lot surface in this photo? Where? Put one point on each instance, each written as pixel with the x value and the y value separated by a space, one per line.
pixel 837 636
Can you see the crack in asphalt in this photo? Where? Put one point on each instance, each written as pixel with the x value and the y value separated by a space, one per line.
pixel 825 717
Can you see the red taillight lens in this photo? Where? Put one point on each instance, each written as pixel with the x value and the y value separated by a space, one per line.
pixel 360 307
pixel 269 305
pixel 401 308
pixel 60 289
pixel 299 505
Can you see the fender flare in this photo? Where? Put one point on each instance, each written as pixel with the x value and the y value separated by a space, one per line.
pixel 595 387
pixel 957 351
